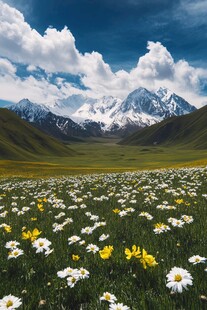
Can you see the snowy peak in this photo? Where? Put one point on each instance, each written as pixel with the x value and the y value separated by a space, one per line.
pixel 175 105
pixel 143 101
pixel 28 110
pixel 66 107
pixel 101 110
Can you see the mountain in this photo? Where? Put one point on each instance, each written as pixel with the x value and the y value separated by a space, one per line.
pixel 81 116
pixel 67 107
pixel 21 141
pixel 41 117
pixel 175 104
pixel 187 131
pixel 141 108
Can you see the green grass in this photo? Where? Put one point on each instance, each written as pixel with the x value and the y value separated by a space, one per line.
pixel 33 277
pixel 102 157
pixel 21 141
pixel 187 131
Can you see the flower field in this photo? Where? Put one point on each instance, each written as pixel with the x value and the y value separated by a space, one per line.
pixel 105 241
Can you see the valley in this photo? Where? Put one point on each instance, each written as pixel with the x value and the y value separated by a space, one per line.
pixel 99 155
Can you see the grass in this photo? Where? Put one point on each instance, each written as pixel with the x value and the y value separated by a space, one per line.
pixel 62 207
pixel 104 156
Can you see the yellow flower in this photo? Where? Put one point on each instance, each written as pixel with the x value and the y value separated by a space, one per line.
pixel 7 228
pixel 135 252
pixel 106 252
pixel 75 258
pixel 179 201
pixel 31 235
pixel 116 210
pixel 147 260
pixel 33 219
pixel 45 199
pixel 40 207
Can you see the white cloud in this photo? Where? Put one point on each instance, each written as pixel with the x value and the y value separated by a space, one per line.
pixel 6 67
pixel 55 52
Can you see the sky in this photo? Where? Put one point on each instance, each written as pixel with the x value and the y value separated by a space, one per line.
pixel 51 49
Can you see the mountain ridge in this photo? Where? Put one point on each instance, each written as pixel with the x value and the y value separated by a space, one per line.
pixel 105 116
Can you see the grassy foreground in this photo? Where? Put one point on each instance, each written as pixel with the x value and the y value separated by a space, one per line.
pixel 80 216
pixel 104 156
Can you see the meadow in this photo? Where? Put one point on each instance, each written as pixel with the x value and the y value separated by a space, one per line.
pixel 103 155
pixel 105 241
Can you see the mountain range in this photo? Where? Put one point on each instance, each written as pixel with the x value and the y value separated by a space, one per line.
pixel 81 116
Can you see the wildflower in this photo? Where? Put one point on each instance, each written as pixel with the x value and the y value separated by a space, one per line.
pixel 116 210
pixel 48 252
pixel 7 228
pixel 10 302
pixel 92 248
pixel 197 259
pixel 108 297
pixel 106 252
pixel 65 272
pixel 87 230
pixel 31 235
pixel 179 201
pixel 71 281
pixel 41 244
pixel 103 237
pixel 83 273
pixel 73 239
pixel 177 223
pixel 147 260
pixel 118 306
pixel 75 258
pixel 40 207
pixel 178 278
pixel 135 252
pixel 15 253
pixel 123 213
pixel 11 245
pixel 187 218
pixel 160 228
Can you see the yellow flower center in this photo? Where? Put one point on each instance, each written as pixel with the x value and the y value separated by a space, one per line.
pixel 178 278
pixel 41 243
pixel 107 297
pixel 15 253
pixel 9 303
pixel 197 260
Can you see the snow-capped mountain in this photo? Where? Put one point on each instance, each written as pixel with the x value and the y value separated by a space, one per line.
pixel 101 110
pixel 141 108
pixel 55 125
pixel 79 115
pixel 175 104
pixel 29 111
pixel 67 107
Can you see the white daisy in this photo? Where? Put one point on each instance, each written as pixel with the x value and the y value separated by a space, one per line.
pixel 118 306
pixel 41 244
pixel 108 297
pixel 178 279
pixel 197 259
pixel 10 302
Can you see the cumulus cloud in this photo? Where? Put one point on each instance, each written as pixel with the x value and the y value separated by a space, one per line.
pixel 6 67
pixel 56 52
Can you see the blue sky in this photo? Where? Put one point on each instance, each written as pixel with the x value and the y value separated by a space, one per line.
pixel 52 49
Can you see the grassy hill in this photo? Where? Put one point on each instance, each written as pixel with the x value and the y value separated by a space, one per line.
pixel 20 141
pixel 188 130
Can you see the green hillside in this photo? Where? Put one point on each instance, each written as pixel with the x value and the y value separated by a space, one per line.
pixel 188 130
pixel 20 141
